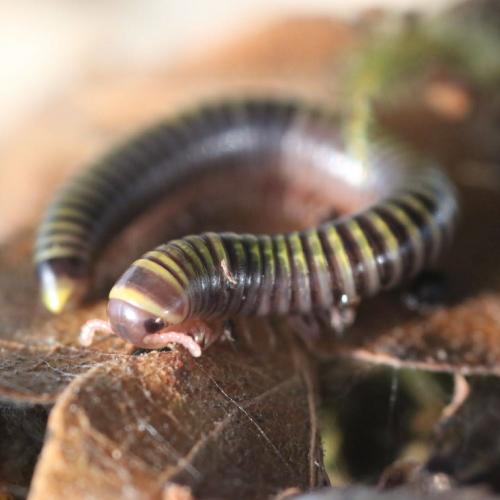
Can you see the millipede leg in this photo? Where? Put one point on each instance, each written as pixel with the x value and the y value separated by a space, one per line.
pixel 194 335
pixel 342 317
pixel 90 328
pixel 308 326
pixel 228 330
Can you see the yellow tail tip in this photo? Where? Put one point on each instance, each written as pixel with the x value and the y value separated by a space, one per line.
pixel 57 297
pixel 59 292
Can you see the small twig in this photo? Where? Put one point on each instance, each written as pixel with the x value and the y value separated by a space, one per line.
pixel 460 394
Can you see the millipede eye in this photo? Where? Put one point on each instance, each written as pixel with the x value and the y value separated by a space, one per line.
pixel 154 325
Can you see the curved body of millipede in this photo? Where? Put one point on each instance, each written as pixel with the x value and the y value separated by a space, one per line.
pixel 403 218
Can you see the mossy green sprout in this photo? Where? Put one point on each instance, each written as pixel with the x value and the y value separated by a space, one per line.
pixel 389 62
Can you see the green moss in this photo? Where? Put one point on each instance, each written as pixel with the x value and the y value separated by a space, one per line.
pixel 387 62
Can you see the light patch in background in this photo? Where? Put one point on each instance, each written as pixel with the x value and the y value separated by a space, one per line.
pixel 46 46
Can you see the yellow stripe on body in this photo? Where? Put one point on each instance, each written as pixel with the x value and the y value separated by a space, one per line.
pixel 63 211
pixel 367 255
pixel 238 292
pixel 159 271
pixel 253 246
pixel 413 231
pixel 344 264
pixel 140 300
pixel 182 249
pixel 254 262
pixel 303 289
pixel 202 248
pixel 224 271
pixel 168 262
pixel 190 258
pixel 45 240
pixel 222 259
pixel 445 205
pixel 63 225
pixel 284 284
pixel 390 243
pixel 321 268
pixel 59 251
pixel 429 221
pixel 269 275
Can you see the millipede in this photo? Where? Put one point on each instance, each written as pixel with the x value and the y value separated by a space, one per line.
pixel 404 218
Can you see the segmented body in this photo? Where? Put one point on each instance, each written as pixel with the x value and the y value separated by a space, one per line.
pixel 406 217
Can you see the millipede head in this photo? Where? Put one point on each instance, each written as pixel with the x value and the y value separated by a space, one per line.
pixel 131 322
pixel 143 329
pixel 142 303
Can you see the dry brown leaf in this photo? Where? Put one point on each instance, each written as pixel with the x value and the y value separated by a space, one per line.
pixel 236 420
pixel 244 392
pixel 460 339
pixel 37 374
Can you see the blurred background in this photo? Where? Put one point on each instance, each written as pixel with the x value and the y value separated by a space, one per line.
pixel 76 77
pixel 47 46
